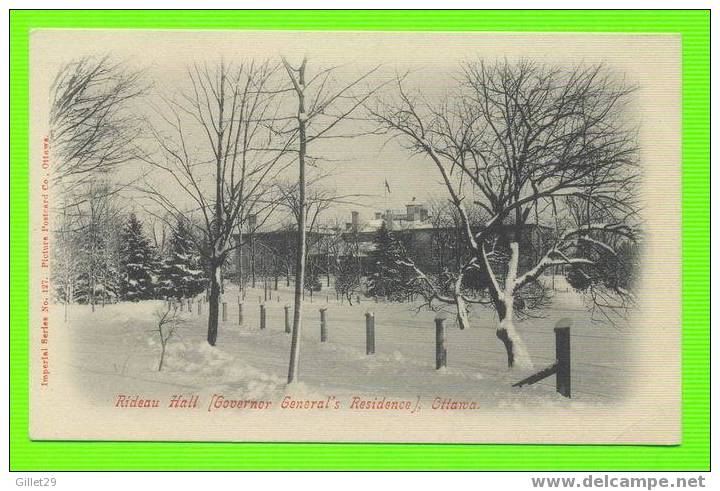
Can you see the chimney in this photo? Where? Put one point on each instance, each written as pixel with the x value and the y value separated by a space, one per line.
pixel 355 220
pixel 410 212
pixel 252 222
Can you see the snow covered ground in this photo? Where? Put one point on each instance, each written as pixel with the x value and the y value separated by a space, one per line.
pixel 116 351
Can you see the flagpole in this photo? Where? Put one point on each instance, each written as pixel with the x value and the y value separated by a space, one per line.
pixel 385 189
pixel 386 198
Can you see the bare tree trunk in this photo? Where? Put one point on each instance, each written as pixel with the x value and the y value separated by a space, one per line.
pixel 252 259
pixel 300 259
pixel 327 270
pixel 214 301
pixel 517 353
pixel 217 262
pixel 92 291
pixel 239 262
pixel 162 357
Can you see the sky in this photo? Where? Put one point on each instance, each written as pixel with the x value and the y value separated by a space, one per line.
pixel 359 166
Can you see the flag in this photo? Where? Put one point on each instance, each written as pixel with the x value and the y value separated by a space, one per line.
pixel 387 186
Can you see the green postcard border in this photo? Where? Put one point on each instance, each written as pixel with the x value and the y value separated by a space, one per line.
pixel 693 454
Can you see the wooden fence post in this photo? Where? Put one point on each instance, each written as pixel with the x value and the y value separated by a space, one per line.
pixel 287 319
pixel 323 326
pixel 240 314
pixel 370 333
pixel 200 306
pixel 562 353
pixel 224 311
pixel 190 304
pixel 440 351
pixel 181 305
pixel 561 367
pixel 262 316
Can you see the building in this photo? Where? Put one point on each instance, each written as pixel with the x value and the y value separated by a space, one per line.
pixel 433 248
pixel 414 216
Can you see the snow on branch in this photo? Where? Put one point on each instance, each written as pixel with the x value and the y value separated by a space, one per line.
pixel 556 257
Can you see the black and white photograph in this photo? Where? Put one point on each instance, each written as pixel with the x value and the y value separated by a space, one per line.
pixel 355 237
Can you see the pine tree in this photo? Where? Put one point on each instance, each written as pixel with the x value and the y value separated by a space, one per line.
pixel 389 277
pixel 138 262
pixel 181 273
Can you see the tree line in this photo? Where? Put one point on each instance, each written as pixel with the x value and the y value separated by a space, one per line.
pixel 540 165
pixel 113 259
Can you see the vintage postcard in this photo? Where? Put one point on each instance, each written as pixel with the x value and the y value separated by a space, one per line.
pixel 355 237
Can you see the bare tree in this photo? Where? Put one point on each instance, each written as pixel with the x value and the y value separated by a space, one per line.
pixel 217 145
pixel 168 322
pixel 525 141
pixel 159 233
pixel 322 105
pixel 347 267
pixel 93 131
pixel 449 249
pixel 92 127
pixel 318 200
pixel 86 256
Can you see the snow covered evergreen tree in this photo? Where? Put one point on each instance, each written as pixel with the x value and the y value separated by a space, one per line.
pixel 390 277
pixel 181 273
pixel 138 263
pixel 87 256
